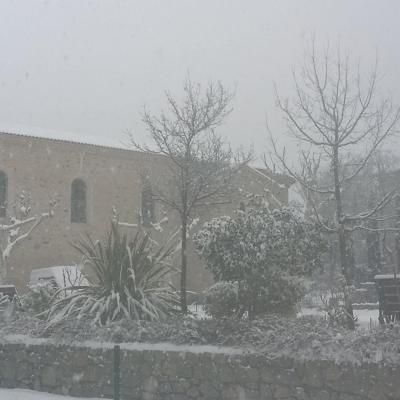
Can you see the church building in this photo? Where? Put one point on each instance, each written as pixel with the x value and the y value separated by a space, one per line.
pixel 89 182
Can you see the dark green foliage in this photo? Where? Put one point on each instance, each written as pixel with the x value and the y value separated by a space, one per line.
pixel 38 298
pixel 221 300
pixel 333 302
pixel 266 253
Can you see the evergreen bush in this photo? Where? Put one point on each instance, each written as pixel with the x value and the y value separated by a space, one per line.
pixel 266 253
pixel 221 300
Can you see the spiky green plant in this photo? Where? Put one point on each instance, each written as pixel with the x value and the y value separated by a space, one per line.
pixel 127 279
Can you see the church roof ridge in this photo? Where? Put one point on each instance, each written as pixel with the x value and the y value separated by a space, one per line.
pixel 72 141
pixel 273 178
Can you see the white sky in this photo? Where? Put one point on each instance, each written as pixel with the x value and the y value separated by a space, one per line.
pixel 84 69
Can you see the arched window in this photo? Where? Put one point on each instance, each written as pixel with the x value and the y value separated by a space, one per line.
pixel 147 204
pixel 78 201
pixel 3 193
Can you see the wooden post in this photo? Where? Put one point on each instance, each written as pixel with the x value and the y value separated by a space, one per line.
pixel 116 372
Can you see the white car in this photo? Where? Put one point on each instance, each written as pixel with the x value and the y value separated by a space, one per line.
pixel 65 277
pixel 8 293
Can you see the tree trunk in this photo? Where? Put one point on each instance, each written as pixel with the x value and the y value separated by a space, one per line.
pixel 348 305
pixel 374 243
pixel 184 265
pixel 396 265
pixel 373 250
pixel 3 271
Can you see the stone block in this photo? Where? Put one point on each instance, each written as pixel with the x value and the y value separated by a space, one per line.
pixel 345 396
pixel 316 394
pixel 180 385
pixel 288 377
pixel 131 360
pixel 209 391
pixel 281 392
pixel 268 374
pixel 128 393
pixel 176 397
pixel 246 374
pixel 150 385
pixel 80 358
pixel 226 373
pixel 25 371
pixel 48 376
pixel 205 371
pixel 165 387
pixel 313 375
pixel 175 366
pixel 8 370
pixel 266 392
pixel 300 393
pixel 233 392
pixel 193 392
pixel 333 372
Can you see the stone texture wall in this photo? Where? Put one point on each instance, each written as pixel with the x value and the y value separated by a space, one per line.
pixel 166 372
pixel 46 169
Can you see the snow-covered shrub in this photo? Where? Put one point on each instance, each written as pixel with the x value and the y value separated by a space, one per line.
pixel 127 279
pixel 221 299
pixel 38 298
pixel 17 226
pixel 333 304
pixel 312 296
pixel 267 253
pixel 4 301
pixel 7 308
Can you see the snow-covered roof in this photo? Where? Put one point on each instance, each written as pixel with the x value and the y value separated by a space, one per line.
pixel 87 140
pixel 96 147
pixel 282 181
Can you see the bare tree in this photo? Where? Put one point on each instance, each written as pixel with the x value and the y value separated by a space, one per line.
pixel 19 225
pixel 375 181
pixel 335 113
pixel 200 164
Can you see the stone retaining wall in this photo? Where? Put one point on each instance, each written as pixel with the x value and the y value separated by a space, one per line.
pixel 167 372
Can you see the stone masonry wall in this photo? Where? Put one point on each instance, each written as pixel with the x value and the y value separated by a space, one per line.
pixel 168 372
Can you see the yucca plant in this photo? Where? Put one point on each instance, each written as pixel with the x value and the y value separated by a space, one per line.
pixel 127 279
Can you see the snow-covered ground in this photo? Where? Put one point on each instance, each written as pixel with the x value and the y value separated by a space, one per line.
pixel 366 318
pixel 22 394
pixel 198 311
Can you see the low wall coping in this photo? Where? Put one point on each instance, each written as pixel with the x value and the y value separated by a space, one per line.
pixel 138 346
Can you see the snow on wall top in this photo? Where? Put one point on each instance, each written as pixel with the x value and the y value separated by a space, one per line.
pixel 30 341
pixel 386 276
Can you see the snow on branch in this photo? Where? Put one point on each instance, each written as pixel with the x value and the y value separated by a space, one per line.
pixel 368 214
pixel 21 226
